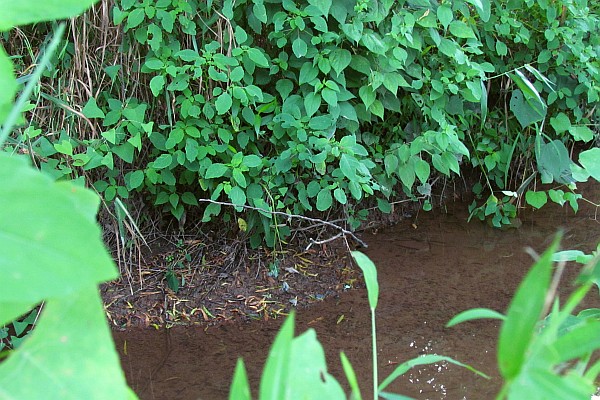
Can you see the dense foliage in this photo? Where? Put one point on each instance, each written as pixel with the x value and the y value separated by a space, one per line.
pixel 301 106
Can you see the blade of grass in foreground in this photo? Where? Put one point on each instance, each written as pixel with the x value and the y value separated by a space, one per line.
pixel 240 389
pixel 424 360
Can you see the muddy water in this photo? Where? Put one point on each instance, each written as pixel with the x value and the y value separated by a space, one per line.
pixel 427 275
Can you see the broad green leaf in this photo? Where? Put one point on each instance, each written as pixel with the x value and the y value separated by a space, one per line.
pixel 384 206
pixel 553 161
pixel 188 55
pixel 308 73
pixel 216 170
pixel 580 342
pixel 372 41
pixel 483 8
pixel 308 377
pixel 312 102
pixel 258 57
pixel 134 179
pixel 367 95
pixel 523 314
pixel 406 172
pixel 322 5
pixel 340 196
pixel 237 196
pixel 299 47
pixel 474 314
pixel 157 84
pixel 339 59
pixel 324 199
pixel 163 161
pixel 240 388
pixel 223 103
pixel 461 30
pixel 581 133
pixel 370 274
pixel 590 160
pixel 536 199
pixel 321 122
pixel 422 169
pixel 56 222
pixel 445 16
pixel 252 161
pixel 135 18
pixel 276 374
pixel 91 109
pixel 7 83
pixel 525 113
pixel 16 13
pixel 391 164
pixel 560 123
pixel 423 360
pixel 70 354
pixel 349 165
pixel 284 87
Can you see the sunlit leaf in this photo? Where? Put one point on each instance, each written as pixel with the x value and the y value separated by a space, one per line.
pixel 474 314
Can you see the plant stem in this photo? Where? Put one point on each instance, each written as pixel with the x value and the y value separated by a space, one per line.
pixel 33 80
pixel 374 338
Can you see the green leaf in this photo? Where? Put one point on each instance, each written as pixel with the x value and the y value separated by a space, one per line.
pixel 277 368
pixel 525 113
pixel 350 376
pixel 445 16
pixel 473 314
pixel 590 160
pixel 312 102
pixel 321 122
pixel 135 18
pixel 56 222
pixel 349 165
pixel 70 354
pixel 367 95
pixel 322 5
pixel 324 199
pixel 483 8
pixel 237 196
pixel 188 55
pixel 340 196
pixel 16 13
pixel 422 169
pixel 553 161
pixel 91 109
pixel 373 42
pixel 157 84
pixel 423 360
pixel 299 47
pixel 370 274
pixel 252 161
pixel 536 199
pixel 216 170
pixel 523 314
pixel 163 161
pixel 284 87
pixel 223 103
pixel 308 374
pixel 134 179
pixel 340 59
pixel 461 30
pixel 7 82
pixel 384 206
pixel 308 73
pixel 240 388
pixel 581 133
pixel 560 123
pixel 258 57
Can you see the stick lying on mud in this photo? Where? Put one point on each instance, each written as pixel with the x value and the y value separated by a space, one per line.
pixel 331 224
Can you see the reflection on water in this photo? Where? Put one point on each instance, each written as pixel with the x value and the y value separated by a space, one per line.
pixel 427 275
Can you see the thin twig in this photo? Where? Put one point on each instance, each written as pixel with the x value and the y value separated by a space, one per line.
pixel 339 228
pixel 319 242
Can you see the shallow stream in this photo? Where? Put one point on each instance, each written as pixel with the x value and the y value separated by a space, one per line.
pixel 428 272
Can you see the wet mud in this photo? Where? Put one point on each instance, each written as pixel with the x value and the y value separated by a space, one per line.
pixel 429 270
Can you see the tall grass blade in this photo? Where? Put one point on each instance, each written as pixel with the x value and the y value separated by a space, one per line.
pixel 240 389
pixel 473 314
pixel 351 377
pixel 275 375
pixel 523 314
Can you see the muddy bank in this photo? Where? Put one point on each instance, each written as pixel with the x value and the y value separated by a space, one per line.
pixel 430 269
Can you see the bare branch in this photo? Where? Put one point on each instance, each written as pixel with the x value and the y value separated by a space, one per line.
pixel 320 221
